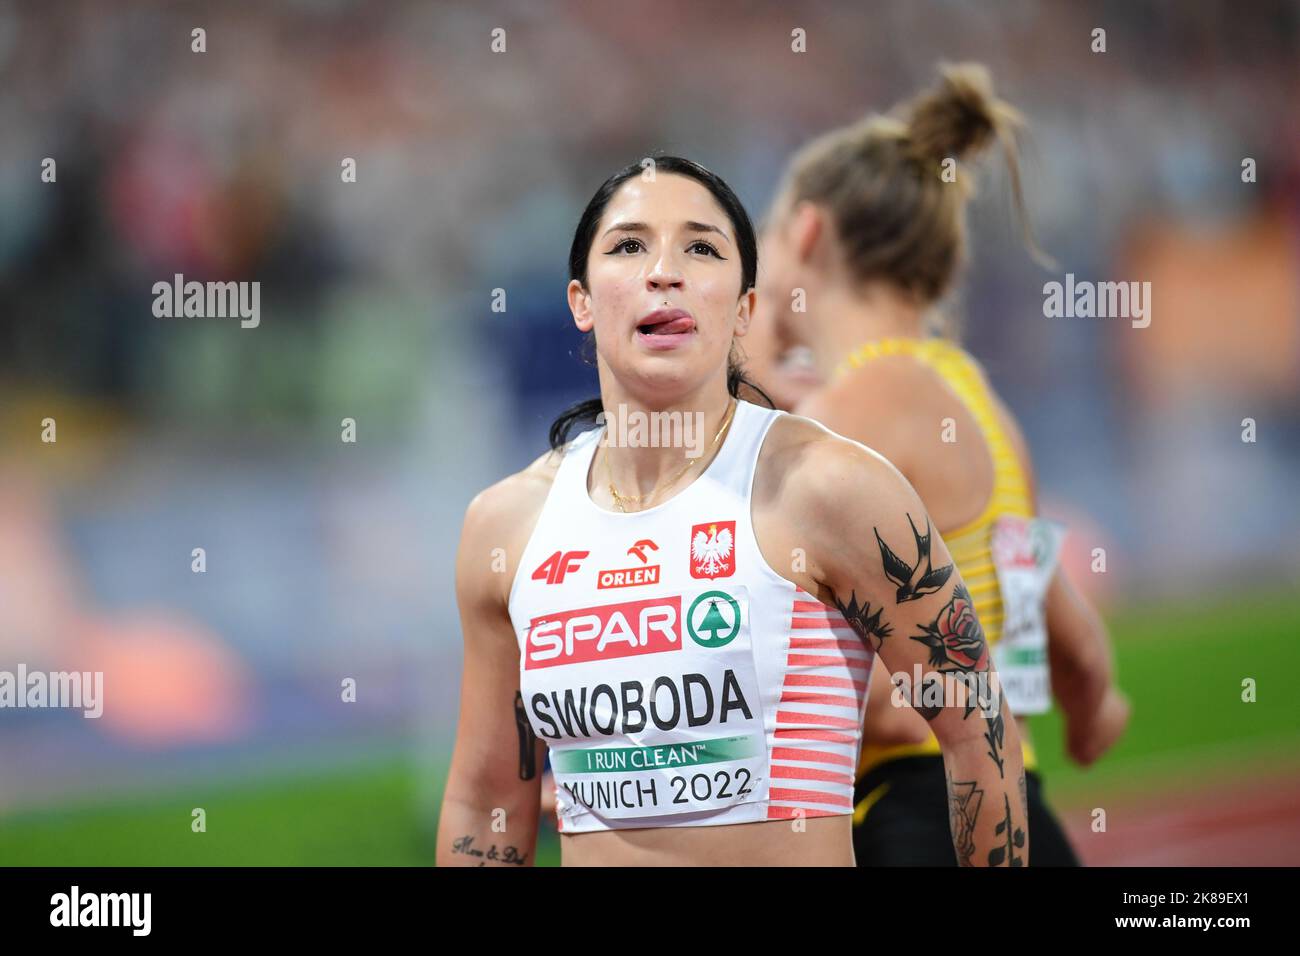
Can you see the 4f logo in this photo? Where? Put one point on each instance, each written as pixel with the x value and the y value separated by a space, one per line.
pixel 554 568
pixel 713 549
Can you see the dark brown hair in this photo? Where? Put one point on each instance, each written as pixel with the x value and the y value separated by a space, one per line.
pixel 580 250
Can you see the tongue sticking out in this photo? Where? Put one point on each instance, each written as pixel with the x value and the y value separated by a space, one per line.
pixel 671 327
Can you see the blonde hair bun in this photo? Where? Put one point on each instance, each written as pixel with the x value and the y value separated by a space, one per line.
pixel 959 116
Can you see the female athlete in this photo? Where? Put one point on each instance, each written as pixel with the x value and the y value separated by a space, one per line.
pixel 685 603
pixel 865 236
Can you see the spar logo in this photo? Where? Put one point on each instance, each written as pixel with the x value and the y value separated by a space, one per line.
pixel 713 619
pixel 631 577
pixel 605 632
pixel 713 549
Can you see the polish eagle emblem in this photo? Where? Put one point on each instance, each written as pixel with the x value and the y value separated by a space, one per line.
pixel 713 549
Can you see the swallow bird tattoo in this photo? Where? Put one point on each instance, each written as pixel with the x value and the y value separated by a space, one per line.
pixel 913 580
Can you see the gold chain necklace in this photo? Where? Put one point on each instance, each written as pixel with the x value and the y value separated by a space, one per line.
pixel 619 499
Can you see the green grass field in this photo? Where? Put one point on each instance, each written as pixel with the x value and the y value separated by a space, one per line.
pixel 1182 665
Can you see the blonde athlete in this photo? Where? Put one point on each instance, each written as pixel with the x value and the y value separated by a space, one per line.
pixel 690 626
pixel 868 231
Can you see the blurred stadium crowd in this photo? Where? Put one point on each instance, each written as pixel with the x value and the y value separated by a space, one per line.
pixel 326 559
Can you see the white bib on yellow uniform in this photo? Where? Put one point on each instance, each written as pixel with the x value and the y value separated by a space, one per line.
pixel 677 678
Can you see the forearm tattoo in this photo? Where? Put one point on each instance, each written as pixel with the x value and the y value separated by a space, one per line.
pixel 996 733
pixel 507 854
pixel 956 647
pixel 527 740
pixel 964 799
pixel 929 712
pixel 1014 837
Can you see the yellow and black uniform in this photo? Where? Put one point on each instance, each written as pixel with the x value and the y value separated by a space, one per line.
pixel 900 800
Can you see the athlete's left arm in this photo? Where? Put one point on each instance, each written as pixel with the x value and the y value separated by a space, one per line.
pixel 871 544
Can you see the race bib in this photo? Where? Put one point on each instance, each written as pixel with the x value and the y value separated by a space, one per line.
pixel 1025 552
pixel 682 701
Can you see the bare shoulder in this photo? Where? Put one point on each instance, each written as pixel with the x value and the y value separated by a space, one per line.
pixel 515 495
pixel 816 473
pixel 822 493
pixel 503 516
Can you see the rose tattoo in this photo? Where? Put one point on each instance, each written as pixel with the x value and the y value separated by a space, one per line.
pixel 955 639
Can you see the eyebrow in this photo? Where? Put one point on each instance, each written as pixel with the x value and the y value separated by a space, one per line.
pixel 690 224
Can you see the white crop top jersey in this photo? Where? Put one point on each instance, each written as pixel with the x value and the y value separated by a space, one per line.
pixel 676 677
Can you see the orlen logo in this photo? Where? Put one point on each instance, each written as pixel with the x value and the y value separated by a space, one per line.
pixel 605 632
pixel 631 577
pixel 554 568
pixel 627 577
pixel 638 549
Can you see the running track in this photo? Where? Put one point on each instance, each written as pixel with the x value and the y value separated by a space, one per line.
pixel 1251 823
